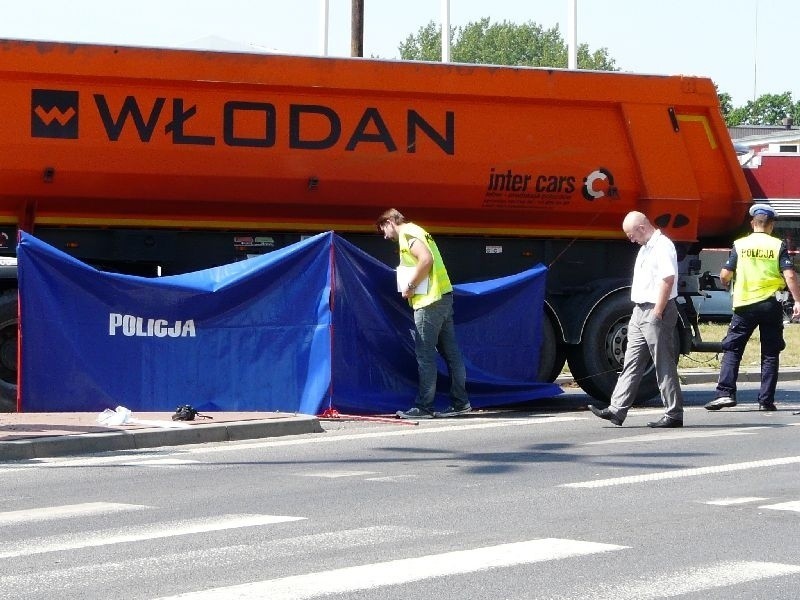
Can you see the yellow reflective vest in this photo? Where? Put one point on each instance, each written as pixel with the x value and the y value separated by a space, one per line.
pixel 758 274
pixel 439 282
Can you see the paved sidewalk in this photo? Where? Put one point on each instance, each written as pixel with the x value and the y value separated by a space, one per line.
pixel 40 435
pixel 25 436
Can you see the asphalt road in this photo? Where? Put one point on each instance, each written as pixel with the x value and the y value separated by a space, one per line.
pixel 514 505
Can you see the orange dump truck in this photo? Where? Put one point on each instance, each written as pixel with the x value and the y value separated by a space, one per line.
pixel 159 161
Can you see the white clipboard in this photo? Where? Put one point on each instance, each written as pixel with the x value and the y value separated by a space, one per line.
pixel 404 276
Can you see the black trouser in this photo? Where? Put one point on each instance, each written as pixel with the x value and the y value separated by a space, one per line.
pixel 767 315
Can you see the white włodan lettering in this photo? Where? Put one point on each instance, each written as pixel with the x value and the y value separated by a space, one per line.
pixel 133 326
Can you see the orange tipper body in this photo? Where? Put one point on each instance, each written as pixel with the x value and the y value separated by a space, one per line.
pixel 146 137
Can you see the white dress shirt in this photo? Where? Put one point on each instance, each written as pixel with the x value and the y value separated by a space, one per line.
pixel 656 261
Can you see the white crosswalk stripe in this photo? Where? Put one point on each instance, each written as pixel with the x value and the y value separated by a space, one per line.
pixel 734 501
pixel 391 478
pixel 137 534
pixel 300 547
pixel 336 474
pixel 68 511
pixel 687 581
pixel 160 462
pixel 791 506
pixel 396 572
pixel 680 473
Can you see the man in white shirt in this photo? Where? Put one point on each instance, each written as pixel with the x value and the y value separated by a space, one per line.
pixel 650 330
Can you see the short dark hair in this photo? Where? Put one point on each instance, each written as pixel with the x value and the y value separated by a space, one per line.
pixel 393 215
pixel 762 219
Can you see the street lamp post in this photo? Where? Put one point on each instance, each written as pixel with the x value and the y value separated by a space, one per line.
pixel 445 31
pixel 755 56
pixel 323 28
pixel 572 34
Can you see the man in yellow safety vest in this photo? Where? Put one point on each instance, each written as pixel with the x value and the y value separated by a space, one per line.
pixel 428 290
pixel 759 265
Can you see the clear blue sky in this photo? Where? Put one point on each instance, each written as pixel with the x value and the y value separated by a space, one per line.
pixel 720 39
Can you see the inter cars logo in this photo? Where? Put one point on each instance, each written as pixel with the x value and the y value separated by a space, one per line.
pixel 599 183
pixel 54 114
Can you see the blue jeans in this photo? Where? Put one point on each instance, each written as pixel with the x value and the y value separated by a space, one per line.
pixel 435 331
pixel 768 317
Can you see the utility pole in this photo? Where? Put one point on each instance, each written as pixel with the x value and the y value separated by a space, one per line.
pixel 357 28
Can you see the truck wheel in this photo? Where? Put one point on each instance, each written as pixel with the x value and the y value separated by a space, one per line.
pixel 8 351
pixel 552 355
pixel 595 363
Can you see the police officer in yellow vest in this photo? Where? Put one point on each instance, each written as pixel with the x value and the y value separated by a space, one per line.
pixel 433 316
pixel 759 266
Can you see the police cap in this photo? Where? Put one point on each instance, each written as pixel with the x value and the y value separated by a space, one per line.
pixel 762 209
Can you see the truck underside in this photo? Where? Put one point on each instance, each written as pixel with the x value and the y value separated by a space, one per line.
pixel 587 302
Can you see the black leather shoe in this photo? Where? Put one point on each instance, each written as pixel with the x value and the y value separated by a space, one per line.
pixel 606 414
pixel 666 422
pixel 767 406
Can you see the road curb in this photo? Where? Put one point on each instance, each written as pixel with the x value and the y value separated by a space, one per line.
pixel 88 443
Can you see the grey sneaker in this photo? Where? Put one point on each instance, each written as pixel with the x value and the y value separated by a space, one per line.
pixel 414 413
pixel 722 402
pixel 451 411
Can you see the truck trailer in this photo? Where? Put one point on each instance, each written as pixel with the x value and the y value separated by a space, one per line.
pixel 154 161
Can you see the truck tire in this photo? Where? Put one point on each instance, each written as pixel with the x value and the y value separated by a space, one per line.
pixel 552 355
pixel 8 351
pixel 595 363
